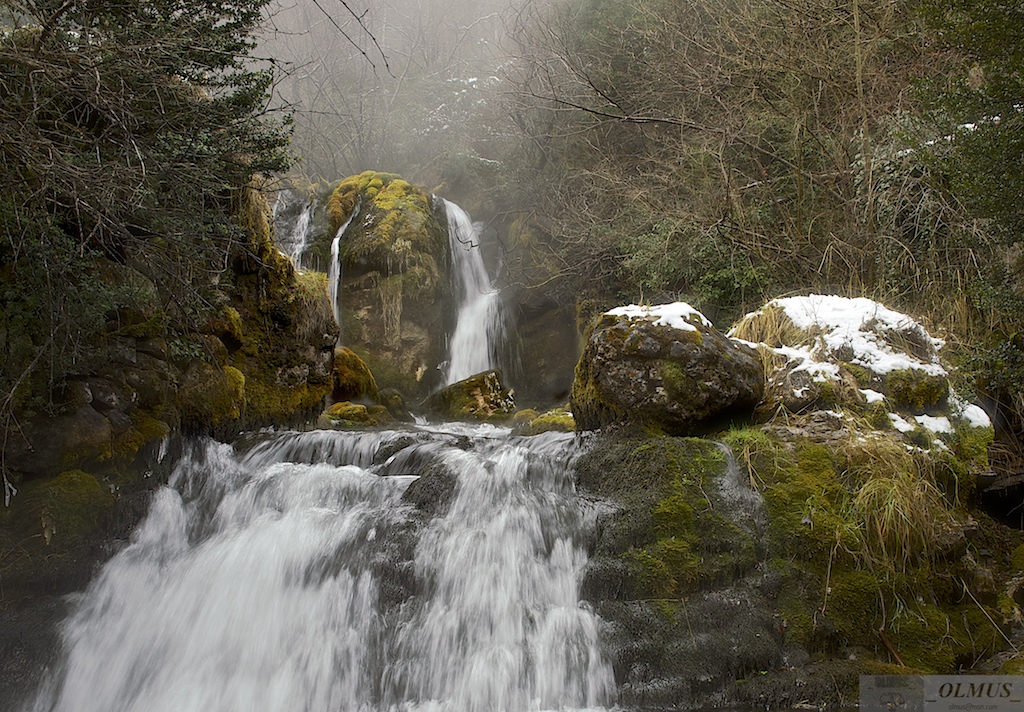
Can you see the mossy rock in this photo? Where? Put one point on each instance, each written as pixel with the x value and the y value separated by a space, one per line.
pixel 530 422
pixel 351 379
pixel 346 414
pixel 674 531
pixel 479 397
pixel 679 379
pixel 210 396
pixel 864 542
pixel 67 508
pixel 916 389
pixel 398 233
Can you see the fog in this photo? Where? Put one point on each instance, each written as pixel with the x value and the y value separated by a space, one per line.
pixel 407 86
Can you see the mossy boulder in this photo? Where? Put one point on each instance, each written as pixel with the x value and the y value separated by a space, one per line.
pixel 479 397
pixel 675 373
pixel 530 422
pixel 866 538
pixel 346 414
pixel 823 350
pixel 678 525
pixel 394 257
pixel 351 380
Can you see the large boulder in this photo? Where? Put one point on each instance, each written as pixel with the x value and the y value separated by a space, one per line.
pixel 394 255
pixel 841 353
pixel 664 366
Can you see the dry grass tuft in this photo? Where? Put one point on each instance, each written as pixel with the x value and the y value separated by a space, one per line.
pixel 770 326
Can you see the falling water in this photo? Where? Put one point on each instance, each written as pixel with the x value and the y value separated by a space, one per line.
pixel 264 578
pixel 293 244
pixel 334 271
pixel 479 327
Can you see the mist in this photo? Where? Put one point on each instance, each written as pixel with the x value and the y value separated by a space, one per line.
pixel 405 86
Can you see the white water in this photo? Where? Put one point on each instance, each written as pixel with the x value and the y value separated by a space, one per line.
pixel 334 271
pixel 294 243
pixel 479 328
pixel 257 582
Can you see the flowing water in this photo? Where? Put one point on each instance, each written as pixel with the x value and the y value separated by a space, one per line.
pixel 334 270
pixel 296 573
pixel 479 329
pixel 294 242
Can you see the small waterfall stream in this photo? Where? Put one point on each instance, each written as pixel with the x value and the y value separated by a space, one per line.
pixel 479 328
pixel 297 574
pixel 334 271
pixel 292 230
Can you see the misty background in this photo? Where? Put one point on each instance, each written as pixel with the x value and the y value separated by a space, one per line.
pixel 408 86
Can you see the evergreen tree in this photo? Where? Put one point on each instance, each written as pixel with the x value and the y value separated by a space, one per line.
pixel 127 128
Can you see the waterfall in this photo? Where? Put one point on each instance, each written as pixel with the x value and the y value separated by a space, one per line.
pixel 292 235
pixel 479 328
pixel 334 271
pixel 295 243
pixel 294 573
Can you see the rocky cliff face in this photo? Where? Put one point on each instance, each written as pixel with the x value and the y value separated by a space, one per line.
pixel 262 356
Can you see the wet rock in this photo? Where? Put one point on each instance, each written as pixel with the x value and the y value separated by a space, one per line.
pixel 351 379
pixel 433 491
pixel 479 397
pixel 395 403
pixel 675 372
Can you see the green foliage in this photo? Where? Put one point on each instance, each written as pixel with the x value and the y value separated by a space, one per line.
pixel 128 129
pixel 985 93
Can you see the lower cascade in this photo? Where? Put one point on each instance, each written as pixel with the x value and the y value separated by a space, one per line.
pixel 318 571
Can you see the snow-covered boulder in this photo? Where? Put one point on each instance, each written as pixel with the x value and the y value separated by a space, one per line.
pixel 664 366
pixel 826 351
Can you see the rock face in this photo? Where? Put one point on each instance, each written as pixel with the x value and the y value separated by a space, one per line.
pixel 665 367
pixel 394 255
pixel 479 397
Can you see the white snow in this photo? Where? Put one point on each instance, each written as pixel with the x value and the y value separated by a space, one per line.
pixel 675 315
pixel 969 414
pixel 871 396
pixel 851 324
pixel 939 424
pixel 900 424
pixel 975 417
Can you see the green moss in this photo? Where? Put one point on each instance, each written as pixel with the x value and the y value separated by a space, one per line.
pixel 1017 559
pixel 861 375
pixel 840 524
pixel 678 383
pixel 971 447
pixel 352 379
pixel 346 414
pixel 144 429
pixel 71 506
pixel 916 389
pixel 937 640
pixel 557 420
pixel 270 403
pixel 671 531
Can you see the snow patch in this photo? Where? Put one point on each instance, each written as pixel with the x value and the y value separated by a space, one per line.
pixel 676 315
pixel 939 424
pixel 851 325
pixel 871 396
pixel 900 424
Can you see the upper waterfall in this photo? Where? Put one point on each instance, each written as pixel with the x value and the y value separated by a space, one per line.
pixel 475 343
